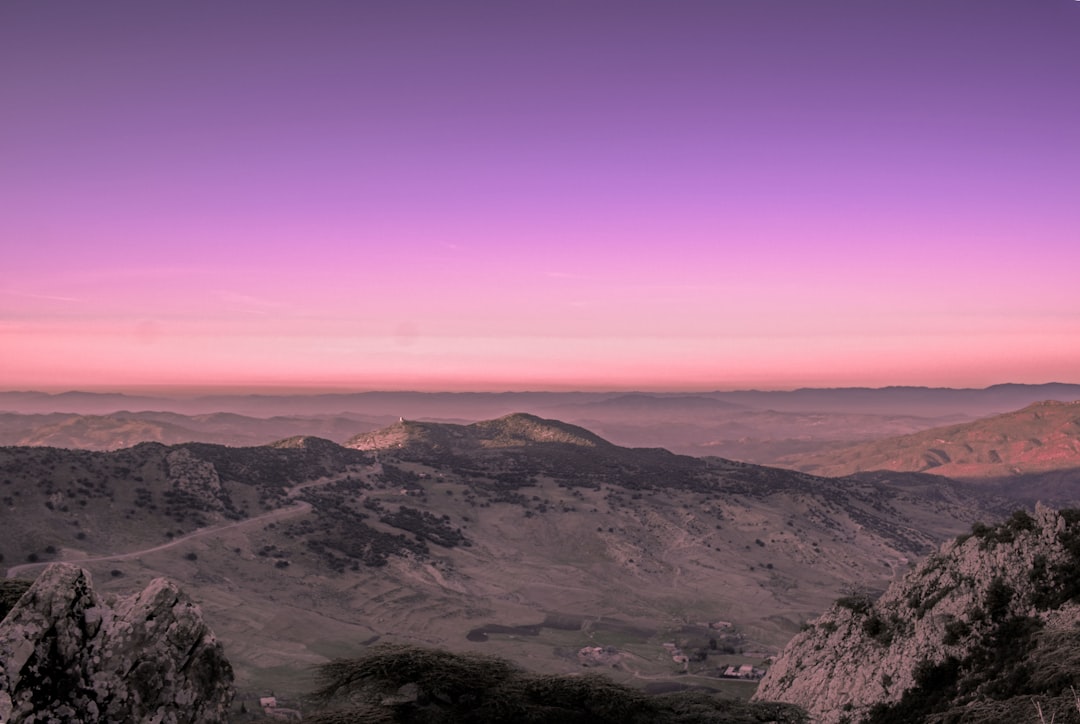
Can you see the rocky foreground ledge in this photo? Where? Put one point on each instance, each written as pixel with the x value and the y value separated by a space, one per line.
pixel 67 656
pixel 985 630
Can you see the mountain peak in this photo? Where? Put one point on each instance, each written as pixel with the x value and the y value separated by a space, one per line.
pixel 513 430
pixel 521 428
pixel 305 442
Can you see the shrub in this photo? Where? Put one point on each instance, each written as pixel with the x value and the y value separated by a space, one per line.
pixel 10 593
pixel 857 601
pixel 998 597
pixel 955 632
pixel 879 629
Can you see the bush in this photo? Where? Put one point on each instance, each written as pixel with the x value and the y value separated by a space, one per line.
pixel 10 593
pixel 879 629
pixel 858 601
pixel 998 597
pixel 955 632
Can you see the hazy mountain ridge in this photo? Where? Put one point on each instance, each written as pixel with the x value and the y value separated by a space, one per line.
pixel 899 400
pixel 754 426
pixel 1041 437
pixel 981 631
pixel 122 429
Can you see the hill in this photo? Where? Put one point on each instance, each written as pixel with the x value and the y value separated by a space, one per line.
pixel 984 630
pixel 1040 438
pixel 122 429
pixel 514 430
pixel 521 537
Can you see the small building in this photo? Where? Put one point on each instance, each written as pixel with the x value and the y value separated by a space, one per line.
pixel 746 672
pixel 269 705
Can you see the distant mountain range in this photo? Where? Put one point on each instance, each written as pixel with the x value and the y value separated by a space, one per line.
pixel 753 426
pixel 917 401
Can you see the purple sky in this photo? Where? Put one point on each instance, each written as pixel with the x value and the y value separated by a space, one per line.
pixel 507 195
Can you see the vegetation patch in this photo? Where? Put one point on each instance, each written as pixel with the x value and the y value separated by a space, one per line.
pixel 394 683
pixel 10 593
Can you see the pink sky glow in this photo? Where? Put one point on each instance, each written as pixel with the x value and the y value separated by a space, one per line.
pixel 591 195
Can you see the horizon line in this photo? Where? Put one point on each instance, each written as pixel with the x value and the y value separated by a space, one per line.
pixel 319 390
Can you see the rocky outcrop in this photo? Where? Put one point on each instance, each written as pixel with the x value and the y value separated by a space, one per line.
pixel 976 630
pixel 66 656
pixel 195 483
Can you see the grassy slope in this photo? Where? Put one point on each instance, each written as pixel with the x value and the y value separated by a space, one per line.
pixel 633 566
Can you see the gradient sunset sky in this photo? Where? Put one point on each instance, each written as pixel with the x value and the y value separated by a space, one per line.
pixel 662 195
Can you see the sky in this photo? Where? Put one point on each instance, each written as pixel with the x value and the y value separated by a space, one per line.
pixel 567 194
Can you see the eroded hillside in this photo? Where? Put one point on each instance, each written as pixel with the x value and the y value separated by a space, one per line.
pixel 522 537
pixel 1039 438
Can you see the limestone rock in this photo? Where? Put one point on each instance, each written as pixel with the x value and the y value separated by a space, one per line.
pixel 1012 585
pixel 196 483
pixel 65 656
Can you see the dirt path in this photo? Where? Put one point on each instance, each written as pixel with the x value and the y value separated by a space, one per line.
pixel 299 508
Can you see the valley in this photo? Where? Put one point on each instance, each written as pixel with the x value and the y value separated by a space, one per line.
pixel 524 537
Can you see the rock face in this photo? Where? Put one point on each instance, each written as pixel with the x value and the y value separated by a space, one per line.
pixel 65 656
pixel 195 482
pixel 980 631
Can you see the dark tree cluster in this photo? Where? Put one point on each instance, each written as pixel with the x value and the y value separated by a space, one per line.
pixel 469 688
pixel 426 526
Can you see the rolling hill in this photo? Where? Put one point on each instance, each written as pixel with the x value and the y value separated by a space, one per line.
pixel 122 429
pixel 1040 438
pixel 523 537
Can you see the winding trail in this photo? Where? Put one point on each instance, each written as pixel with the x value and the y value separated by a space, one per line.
pixel 300 508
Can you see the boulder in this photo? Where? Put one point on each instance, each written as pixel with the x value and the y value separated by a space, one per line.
pixel 67 656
